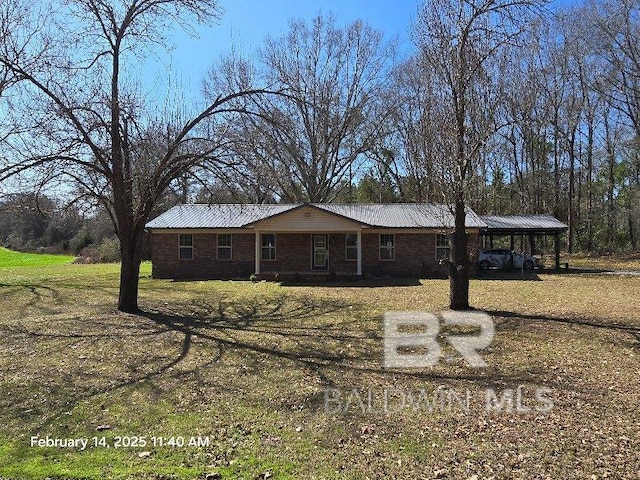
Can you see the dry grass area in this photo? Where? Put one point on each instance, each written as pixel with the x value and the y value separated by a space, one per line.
pixel 628 261
pixel 250 367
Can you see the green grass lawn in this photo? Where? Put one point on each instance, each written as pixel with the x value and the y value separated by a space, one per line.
pixel 241 371
pixel 10 258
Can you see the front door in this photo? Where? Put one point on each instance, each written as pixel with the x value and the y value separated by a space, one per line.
pixel 320 252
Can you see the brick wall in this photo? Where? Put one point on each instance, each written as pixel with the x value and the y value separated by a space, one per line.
pixel 204 265
pixel 337 255
pixel 292 254
pixel 415 255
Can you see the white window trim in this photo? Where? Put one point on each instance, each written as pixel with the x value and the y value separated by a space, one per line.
pixel 230 247
pixel 274 248
pixel 380 247
pixel 180 247
pixel 352 247
pixel 448 247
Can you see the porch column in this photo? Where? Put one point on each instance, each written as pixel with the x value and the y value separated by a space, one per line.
pixel 556 248
pixel 532 244
pixel 257 253
pixel 359 250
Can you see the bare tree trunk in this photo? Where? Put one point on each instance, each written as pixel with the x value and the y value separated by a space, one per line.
pixel 556 167
pixel 571 199
pixel 129 279
pixel 590 133
pixel 131 253
pixel 611 163
pixel 459 261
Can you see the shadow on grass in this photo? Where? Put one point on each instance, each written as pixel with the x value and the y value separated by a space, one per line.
pixel 568 321
pixel 316 346
pixel 36 293
pixel 51 299
pixel 249 325
pixel 521 275
pixel 326 342
pixel 368 282
pixel 515 319
pixel 137 349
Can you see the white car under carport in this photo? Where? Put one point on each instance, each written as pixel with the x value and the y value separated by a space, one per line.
pixel 505 259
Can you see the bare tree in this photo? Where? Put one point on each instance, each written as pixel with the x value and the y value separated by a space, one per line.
pixel 616 39
pixel 462 43
pixel 308 141
pixel 409 151
pixel 13 13
pixel 86 121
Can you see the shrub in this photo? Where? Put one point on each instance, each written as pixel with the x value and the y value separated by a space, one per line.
pixel 109 250
pixel 81 241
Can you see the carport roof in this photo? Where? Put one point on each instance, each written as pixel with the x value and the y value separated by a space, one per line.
pixel 530 224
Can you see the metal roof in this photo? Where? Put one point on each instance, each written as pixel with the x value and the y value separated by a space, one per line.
pixel 401 215
pixel 523 223
pixel 394 215
pixel 216 215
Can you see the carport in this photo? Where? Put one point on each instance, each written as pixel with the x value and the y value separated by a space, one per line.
pixel 524 226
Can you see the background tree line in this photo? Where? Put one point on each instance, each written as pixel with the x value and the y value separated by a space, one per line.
pixel 36 223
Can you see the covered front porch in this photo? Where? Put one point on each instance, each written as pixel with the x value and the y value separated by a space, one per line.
pixel 310 253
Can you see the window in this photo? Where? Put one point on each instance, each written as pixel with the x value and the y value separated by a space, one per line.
pixel 224 246
pixel 387 246
pixel 442 246
pixel 351 241
pixel 268 246
pixel 185 249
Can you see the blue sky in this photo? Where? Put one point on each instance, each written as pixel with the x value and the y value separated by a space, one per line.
pixel 245 23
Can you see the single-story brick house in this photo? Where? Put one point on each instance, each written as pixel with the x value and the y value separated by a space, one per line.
pixel 201 241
